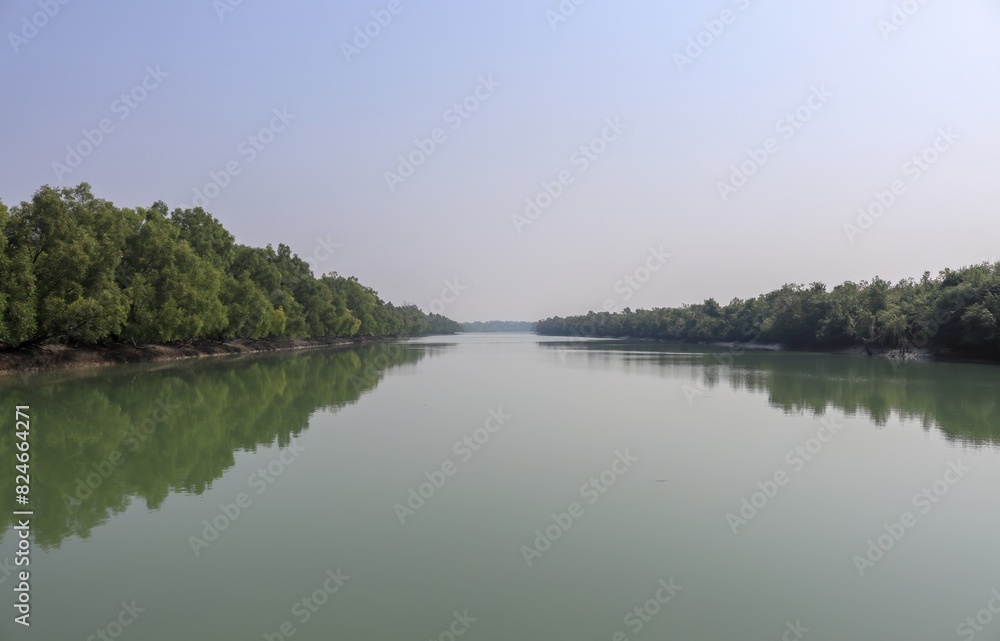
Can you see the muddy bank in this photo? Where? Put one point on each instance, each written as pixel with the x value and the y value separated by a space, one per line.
pixel 909 353
pixel 751 347
pixel 63 357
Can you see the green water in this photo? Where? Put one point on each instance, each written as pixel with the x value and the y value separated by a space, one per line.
pixel 608 467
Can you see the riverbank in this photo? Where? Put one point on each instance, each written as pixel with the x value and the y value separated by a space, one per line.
pixel 65 357
pixel 909 352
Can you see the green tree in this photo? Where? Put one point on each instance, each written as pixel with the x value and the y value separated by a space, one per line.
pixel 979 325
pixel 17 285
pixel 248 309
pixel 74 244
pixel 75 268
pixel 174 293
pixel 206 235
pixel 363 302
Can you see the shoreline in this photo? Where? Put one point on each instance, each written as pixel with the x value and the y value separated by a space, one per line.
pixel 57 357
pixel 911 353
pixel 49 358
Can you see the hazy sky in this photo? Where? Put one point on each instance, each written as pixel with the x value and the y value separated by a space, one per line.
pixel 691 89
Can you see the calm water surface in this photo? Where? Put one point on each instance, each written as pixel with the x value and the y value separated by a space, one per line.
pixel 555 485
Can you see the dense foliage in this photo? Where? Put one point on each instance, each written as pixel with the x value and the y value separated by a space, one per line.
pixel 498 326
pixel 958 310
pixel 76 268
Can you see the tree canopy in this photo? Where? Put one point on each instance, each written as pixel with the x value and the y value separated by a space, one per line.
pixel 957 311
pixel 75 268
pixel 498 326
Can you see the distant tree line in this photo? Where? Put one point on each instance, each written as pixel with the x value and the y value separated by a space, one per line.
pixel 957 311
pixel 78 269
pixel 498 326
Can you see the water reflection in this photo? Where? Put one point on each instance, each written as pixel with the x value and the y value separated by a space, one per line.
pixel 959 399
pixel 102 438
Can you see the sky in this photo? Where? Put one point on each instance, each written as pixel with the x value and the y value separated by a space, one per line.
pixel 523 159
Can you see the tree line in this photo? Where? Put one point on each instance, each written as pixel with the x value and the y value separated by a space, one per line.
pixel 498 326
pixel 78 269
pixel 956 311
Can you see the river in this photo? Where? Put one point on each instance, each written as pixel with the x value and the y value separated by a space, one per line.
pixel 494 487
